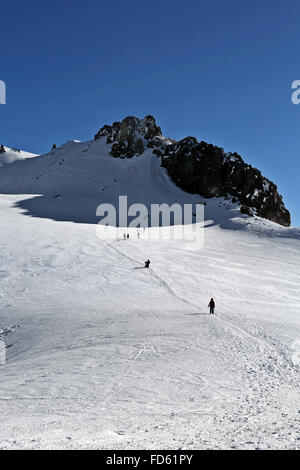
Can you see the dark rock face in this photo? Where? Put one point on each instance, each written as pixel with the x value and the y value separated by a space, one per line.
pixel 2 149
pixel 128 137
pixel 201 168
pixel 198 167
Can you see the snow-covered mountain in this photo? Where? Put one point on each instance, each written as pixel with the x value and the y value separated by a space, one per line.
pixel 199 167
pixel 97 353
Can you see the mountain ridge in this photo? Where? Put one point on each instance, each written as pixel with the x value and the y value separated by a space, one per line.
pixel 199 167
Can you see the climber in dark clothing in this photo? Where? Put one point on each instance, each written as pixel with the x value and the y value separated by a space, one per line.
pixel 147 263
pixel 211 306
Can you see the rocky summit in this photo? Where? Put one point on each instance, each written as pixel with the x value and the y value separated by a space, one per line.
pixel 199 167
pixel 128 137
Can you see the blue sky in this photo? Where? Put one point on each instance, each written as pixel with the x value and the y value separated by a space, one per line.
pixel 221 71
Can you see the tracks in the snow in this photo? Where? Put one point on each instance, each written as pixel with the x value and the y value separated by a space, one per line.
pixel 162 283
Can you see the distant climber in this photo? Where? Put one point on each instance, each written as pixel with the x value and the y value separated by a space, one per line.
pixel 147 263
pixel 127 236
pixel 211 306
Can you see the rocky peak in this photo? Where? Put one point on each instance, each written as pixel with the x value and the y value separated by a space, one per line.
pixel 129 136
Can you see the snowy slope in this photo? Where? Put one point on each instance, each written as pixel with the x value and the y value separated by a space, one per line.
pixel 101 354
pixel 12 155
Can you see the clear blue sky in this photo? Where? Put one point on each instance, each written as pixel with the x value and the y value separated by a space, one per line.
pixel 219 70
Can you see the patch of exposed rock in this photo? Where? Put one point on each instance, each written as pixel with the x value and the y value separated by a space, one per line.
pixel 129 137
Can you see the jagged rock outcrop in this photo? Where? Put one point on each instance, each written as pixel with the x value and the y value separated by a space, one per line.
pixel 205 169
pixel 199 167
pixel 2 149
pixel 128 137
